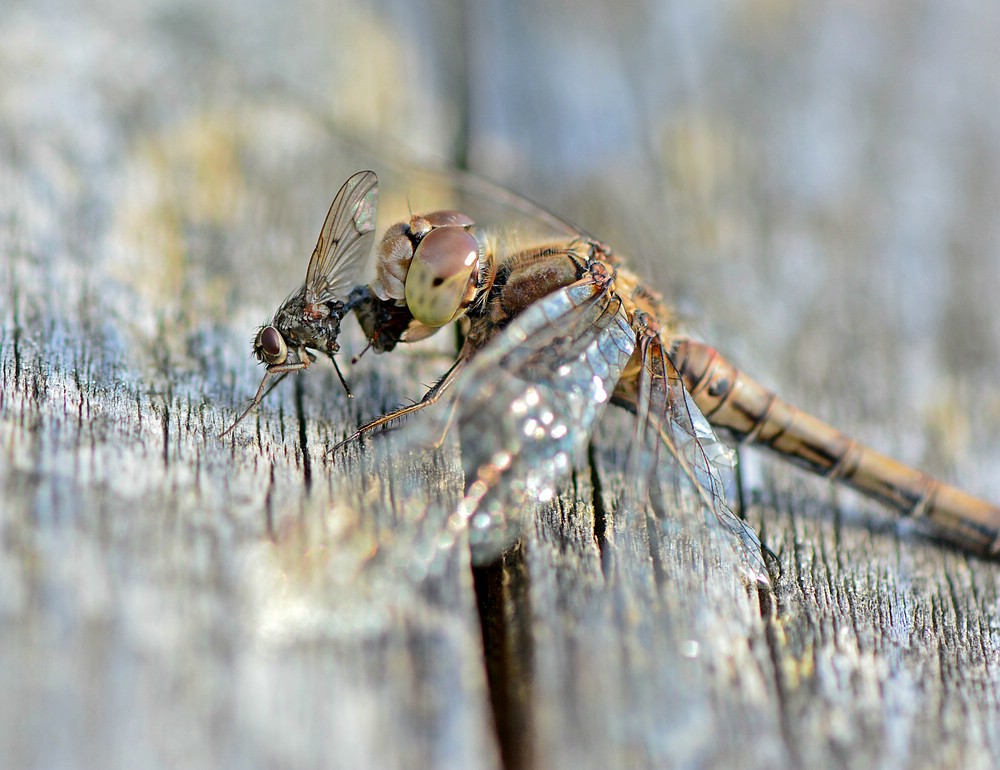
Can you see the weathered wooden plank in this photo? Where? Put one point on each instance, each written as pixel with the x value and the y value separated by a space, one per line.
pixel 169 598
pixel 647 650
pixel 207 588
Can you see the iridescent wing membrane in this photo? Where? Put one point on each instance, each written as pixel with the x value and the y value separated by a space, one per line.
pixel 667 418
pixel 344 241
pixel 529 402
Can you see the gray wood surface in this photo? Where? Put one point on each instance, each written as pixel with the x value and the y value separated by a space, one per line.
pixel 815 187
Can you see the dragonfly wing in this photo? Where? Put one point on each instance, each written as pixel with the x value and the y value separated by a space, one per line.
pixel 345 241
pixel 668 419
pixel 529 402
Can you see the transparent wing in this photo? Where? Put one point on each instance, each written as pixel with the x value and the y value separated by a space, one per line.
pixel 405 190
pixel 345 240
pixel 667 418
pixel 529 402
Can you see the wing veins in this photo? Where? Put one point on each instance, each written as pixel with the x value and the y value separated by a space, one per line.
pixel 344 241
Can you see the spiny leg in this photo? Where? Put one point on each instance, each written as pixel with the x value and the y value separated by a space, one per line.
pixel 430 397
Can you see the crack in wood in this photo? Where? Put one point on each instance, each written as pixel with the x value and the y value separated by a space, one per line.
pixel 16 307
pixel 269 507
pixel 300 413
pixel 166 433
pixel 601 514
pixel 501 601
pixel 659 513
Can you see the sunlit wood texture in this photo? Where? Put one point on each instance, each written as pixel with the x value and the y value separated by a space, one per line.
pixel 816 188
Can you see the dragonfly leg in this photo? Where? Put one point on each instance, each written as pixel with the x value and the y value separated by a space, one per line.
pixel 430 397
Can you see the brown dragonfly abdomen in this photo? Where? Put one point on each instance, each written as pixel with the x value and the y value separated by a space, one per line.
pixel 733 401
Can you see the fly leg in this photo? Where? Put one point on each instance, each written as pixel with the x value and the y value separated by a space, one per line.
pixel 340 375
pixel 282 369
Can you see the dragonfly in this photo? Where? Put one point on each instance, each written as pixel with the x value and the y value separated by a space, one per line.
pixel 556 329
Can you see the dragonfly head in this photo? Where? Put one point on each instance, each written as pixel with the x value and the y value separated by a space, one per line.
pixel 431 264
pixel 443 275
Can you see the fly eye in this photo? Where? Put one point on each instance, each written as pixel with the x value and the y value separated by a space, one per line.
pixel 271 345
pixel 443 276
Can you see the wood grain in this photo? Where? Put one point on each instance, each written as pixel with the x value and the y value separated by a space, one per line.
pixel 169 598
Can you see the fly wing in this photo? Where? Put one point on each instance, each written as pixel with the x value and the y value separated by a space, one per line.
pixel 530 401
pixel 667 418
pixel 345 240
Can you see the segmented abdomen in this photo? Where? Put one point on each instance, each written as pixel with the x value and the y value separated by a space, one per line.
pixel 733 401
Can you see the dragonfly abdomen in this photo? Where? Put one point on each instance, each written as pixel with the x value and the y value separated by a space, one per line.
pixel 733 401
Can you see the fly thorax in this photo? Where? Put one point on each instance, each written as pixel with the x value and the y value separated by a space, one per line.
pixel 314 333
pixel 322 333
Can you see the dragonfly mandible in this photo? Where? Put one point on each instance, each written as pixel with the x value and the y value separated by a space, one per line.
pixel 557 329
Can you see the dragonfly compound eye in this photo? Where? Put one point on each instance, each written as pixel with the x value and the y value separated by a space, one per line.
pixel 422 224
pixel 443 275
pixel 271 345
